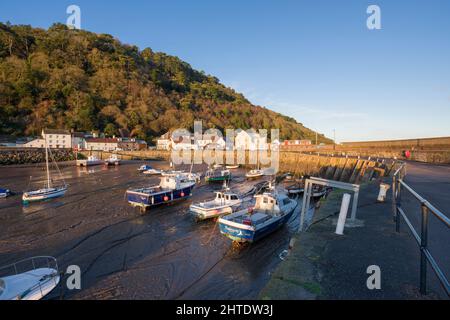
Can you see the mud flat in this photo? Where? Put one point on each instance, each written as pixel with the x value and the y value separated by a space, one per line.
pixel 124 254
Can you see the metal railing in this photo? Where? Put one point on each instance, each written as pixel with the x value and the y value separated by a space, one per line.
pixel 422 240
pixel 28 265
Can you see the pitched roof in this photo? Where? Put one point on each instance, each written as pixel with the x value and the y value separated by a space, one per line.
pixel 102 140
pixel 55 131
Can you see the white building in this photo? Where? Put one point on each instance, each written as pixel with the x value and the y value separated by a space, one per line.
pixel 250 140
pixel 57 139
pixel 36 143
pixel 164 142
pixel 102 144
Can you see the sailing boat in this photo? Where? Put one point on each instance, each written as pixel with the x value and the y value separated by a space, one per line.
pixel 48 191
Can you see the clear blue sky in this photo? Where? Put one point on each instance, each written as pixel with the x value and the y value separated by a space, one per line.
pixel 313 60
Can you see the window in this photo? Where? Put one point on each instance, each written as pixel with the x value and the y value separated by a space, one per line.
pixel 234 197
pixel 265 200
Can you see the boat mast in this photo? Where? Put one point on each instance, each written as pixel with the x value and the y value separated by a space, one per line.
pixel 46 163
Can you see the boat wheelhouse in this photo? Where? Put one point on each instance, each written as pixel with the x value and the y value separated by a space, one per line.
pixel 271 211
pixel 171 188
pixel 225 202
pixel 217 175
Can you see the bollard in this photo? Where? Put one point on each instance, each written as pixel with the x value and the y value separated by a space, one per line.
pixel 383 190
pixel 343 214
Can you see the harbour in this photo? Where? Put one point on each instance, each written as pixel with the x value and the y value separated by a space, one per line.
pixel 126 254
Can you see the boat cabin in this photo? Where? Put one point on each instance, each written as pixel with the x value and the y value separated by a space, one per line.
pixel 226 196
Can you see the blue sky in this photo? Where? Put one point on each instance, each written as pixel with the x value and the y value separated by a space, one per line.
pixel 313 60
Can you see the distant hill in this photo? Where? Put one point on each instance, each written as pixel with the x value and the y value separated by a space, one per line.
pixel 74 79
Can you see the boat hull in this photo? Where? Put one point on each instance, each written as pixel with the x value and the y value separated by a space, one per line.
pixel 146 200
pixel 88 163
pixel 218 179
pixel 27 198
pixel 243 233
pixel 32 285
pixel 201 214
pixel 4 193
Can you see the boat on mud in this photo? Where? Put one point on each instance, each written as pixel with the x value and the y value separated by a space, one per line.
pixel 144 167
pixel 254 174
pixel 49 191
pixel 271 211
pixel 90 161
pixel 295 188
pixel 319 191
pixel 113 160
pixel 152 172
pixel 4 193
pixel 225 202
pixel 30 279
pixel 217 175
pixel 171 188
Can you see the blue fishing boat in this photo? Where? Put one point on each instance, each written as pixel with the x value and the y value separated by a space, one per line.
pixel 171 188
pixel 271 211
pixel 4 193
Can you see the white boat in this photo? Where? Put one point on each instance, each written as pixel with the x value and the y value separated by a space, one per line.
pixel 90 161
pixel 39 277
pixel 225 202
pixel 232 166
pixel 217 166
pixel 254 173
pixel 112 160
pixel 271 211
pixel 152 171
pixel 49 191
pixel 172 172
pixel 144 167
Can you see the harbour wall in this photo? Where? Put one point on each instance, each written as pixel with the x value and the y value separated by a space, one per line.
pixel 431 150
pixel 344 169
pixel 14 156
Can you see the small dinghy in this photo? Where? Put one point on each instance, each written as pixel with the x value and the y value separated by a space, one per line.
pixel 4 193
pixel 152 171
pixel 113 160
pixel 144 167
pixel 171 188
pixel 217 175
pixel 271 211
pixel 232 166
pixel 254 174
pixel 40 276
pixel 49 191
pixel 224 203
